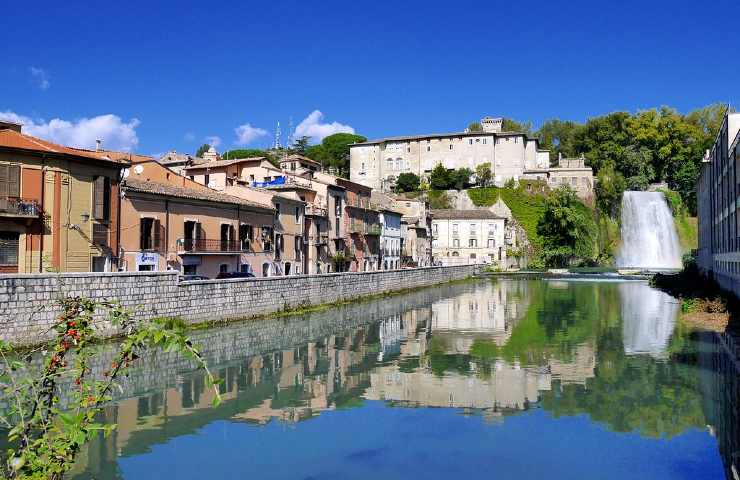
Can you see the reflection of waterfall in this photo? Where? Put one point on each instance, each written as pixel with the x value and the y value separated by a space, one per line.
pixel 649 317
pixel 649 238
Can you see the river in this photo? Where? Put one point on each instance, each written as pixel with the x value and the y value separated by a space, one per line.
pixel 493 378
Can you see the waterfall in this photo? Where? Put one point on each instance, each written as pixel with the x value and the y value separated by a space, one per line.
pixel 649 238
pixel 648 319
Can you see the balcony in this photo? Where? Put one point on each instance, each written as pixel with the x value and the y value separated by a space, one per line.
pixel 315 210
pixel 321 239
pixel 373 230
pixel 19 208
pixel 209 246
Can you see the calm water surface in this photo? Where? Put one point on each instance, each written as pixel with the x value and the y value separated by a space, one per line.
pixel 490 379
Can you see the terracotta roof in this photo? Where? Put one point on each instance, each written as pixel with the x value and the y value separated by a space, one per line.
pixel 475 214
pixel 13 139
pixel 297 157
pixel 224 163
pixel 191 193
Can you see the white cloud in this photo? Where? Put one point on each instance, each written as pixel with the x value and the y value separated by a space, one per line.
pixel 213 141
pixel 189 136
pixel 312 127
pixel 246 134
pixel 82 133
pixel 40 77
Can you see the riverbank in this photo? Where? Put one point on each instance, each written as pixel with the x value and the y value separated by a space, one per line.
pixel 28 302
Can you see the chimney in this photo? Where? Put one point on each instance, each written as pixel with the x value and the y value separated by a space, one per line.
pixel 98 145
pixel 16 127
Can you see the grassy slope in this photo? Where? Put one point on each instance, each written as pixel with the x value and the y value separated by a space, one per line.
pixel 526 208
pixel 687 232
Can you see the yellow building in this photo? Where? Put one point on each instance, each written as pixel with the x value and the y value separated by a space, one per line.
pixel 59 206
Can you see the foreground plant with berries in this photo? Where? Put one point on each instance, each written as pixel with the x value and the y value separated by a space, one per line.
pixel 44 434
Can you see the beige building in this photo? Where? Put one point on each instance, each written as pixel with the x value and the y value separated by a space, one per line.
pixel 468 236
pixel 512 155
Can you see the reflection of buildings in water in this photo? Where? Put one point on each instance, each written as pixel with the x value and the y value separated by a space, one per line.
pixel 719 361
pixel 648 319
pixel 581 367
pixel 491 311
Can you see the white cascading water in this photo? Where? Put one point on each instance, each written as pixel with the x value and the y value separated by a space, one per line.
pixel 649 317
pixel 649 238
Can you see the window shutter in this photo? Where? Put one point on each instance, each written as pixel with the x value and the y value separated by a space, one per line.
pixel 99 198
pixel 106 198
pixel 4 179
pixel 142 234
pixel 14 180
pixel 157 227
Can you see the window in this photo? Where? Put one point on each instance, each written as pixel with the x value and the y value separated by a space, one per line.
pixel 473 228
pixel 435 228
pixel 101 198
pixel 516 139
pixel 472 243
pixel 450 146
pixel 10 180
pixel 227 237
pixel 454 227
pixel 429 149
pixel 251 178
pixel 292 166
pixel 491 229
pixel 456 243
pixel 245 268
pixel 277 210
pixel 223 268
pixel 491 243
pixel 408 150
pixel 389 164
pixel 100 234
pixel 246 236
pixel 477 140
pixel 484 141
pixel 9 252
pixel 298 215
pixel 192 177
pixel 206 179
pixel 149 234
pixel 470 141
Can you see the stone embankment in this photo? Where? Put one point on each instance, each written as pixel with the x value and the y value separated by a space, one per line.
pixel 28 302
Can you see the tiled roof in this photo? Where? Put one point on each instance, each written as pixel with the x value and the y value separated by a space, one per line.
pixel 191 193
pixel 475 214
pixel 12 139
pixel 223 163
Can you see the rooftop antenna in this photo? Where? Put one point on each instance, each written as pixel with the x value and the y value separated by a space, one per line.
pixel 277 137
pixel 291 133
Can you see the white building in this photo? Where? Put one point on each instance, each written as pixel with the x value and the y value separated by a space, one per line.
pixel 468 236
pixel 377 163
pixel 512 155
pixel 390 239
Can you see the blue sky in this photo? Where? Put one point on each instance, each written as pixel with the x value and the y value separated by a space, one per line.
pixel 151 76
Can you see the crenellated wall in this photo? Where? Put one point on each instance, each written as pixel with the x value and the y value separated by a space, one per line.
pixel 28 302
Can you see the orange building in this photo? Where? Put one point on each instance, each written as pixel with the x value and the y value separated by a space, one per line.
pixel 169 222
pixel 59 206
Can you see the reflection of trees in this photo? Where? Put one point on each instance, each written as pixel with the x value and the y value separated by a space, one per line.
pixel 633 393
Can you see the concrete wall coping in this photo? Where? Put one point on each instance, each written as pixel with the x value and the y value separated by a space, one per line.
pixel 13 276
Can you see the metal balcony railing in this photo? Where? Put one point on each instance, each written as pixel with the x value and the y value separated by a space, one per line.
pixel 200 245
pixel 315 210
pixel 16 207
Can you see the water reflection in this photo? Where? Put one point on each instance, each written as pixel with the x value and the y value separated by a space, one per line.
pixel 498 349
pixel 649 317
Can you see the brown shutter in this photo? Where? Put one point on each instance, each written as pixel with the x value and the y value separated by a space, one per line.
pixel 99 198
pixel 157 227
pixel 106 198
pixel 4 179
pixel 14 180
pixel 142 234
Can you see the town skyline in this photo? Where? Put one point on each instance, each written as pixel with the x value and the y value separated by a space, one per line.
pixel 155 87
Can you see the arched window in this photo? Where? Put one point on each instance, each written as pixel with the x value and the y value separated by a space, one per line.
pixel 266 269
pixel 287 268
pixel 455 254
pixel 389 164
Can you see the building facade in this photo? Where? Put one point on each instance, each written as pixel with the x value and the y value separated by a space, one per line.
pixel 170 222
pixel 718 193
pixel 59 206
pixel 512 155
pixel 468 236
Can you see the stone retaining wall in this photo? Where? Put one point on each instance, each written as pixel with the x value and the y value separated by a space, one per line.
pixel 28 309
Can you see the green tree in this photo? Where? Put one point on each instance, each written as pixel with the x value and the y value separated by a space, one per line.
pixel 475 127
pixel 557 136
pixel 300 145
pixel 440 179
pixel 483 174
pixel 637 167
pixel 334 151
pixel 407 182
pixel 460 178
pixel 202 149
pixel 567 228
pixel 510 125
pixel 609 187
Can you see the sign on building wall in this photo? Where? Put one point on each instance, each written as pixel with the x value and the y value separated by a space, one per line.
pixel 147 259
